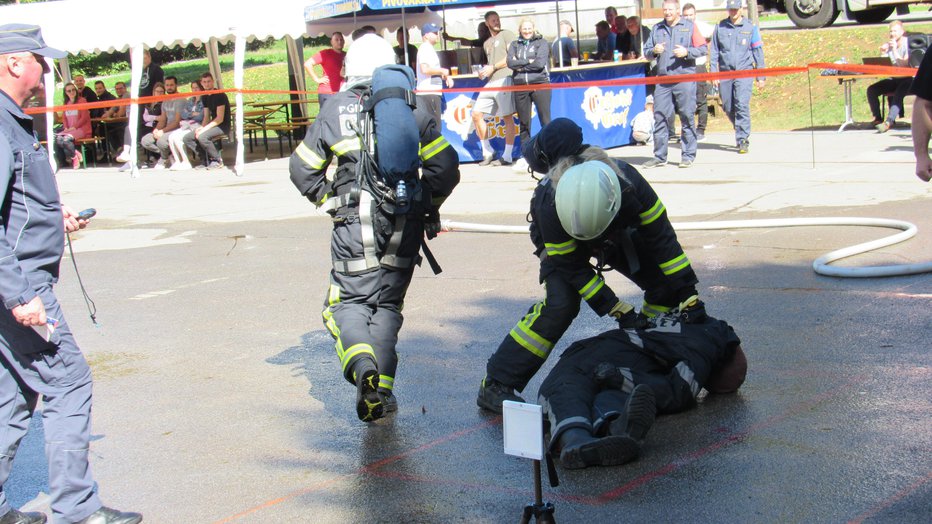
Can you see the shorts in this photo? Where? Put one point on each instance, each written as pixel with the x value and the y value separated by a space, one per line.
pixel 496 103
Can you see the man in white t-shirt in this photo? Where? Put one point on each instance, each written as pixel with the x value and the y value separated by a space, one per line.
pixel 430 76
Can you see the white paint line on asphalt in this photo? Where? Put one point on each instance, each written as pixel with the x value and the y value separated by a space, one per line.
pixel 160 293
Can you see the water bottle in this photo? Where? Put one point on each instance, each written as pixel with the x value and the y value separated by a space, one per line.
pixel 401 194
pixel 616 55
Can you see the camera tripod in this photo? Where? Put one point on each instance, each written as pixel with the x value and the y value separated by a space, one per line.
pixel 541 511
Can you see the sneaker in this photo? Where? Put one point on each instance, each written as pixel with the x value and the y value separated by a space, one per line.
pixel 160 165
pixel 215 164
pixel 389 402
pixel 520 166
pixel 882 127
pixel 684 164
pixel 492 393
pixel 123 156
pixel 487 160
pixel 654 162
pixel 700 136
pixel 743 147
pixel 368 401
pixel 638 415
pixel 18 517
pixel 500 162
pixel 107 515
pixel 876 121
pixel 128 166
pixel 181 166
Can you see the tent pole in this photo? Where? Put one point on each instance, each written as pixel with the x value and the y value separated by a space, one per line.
pixel 578 30
pixel 135 59
pixel 443 14
pixel 404 38
pixel 239 56
pixel 558 62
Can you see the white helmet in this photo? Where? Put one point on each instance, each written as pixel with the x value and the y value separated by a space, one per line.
pixel 365 54
pixel 588 198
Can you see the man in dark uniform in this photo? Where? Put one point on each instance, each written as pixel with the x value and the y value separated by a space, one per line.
pixel 37 350
pixel 922 117
pixel 588 206
pixel 374 248
pixel 603 393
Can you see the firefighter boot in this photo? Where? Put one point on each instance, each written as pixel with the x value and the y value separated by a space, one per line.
pixel 638 415
pixel 492 393
pixel 389 402
pixel 368 402
pixel 579 449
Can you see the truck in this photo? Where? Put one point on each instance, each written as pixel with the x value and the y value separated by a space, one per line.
pixel 810 14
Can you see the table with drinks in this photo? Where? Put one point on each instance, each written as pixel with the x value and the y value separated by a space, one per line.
pixel 603 112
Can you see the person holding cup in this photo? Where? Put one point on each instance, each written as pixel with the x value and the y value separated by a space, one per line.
pixel 529 59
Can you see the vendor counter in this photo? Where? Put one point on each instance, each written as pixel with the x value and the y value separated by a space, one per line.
pixel 603 113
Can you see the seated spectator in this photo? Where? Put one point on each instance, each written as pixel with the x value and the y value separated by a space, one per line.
pixel 603 394
pixel 216 123
pixel 331 63
pixel 637 34
pixel 405 45
pixel 76 124
pixel 100 91
pixel 622 38
pixel 192 116
pixel 895 88
pixel 115 130
pixel 84 91
pixel 564 49
pixel 642 127
pixel 168 121
pixel 605 49
pixel 151 113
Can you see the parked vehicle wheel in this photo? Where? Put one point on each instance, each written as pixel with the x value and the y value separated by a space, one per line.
pixel 812 14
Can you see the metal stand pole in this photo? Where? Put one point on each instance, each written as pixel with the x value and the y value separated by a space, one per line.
pixel 540 510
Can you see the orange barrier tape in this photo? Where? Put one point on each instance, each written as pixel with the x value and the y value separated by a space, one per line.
pixel 865 69
pixel 107 104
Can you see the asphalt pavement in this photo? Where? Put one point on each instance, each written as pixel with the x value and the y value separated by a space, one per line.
pixel 218 396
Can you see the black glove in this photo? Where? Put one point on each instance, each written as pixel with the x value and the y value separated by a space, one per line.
pixel 633 320
pixel 432 223
pixel 692 310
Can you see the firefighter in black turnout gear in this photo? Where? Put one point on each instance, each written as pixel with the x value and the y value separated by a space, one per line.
pixel 380 213
pixel 602 395
pixel 588 207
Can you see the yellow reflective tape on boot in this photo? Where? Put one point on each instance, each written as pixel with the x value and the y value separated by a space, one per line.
pixel 309 157
pixel 563 248
pixel 592 287
pixel 386 382
pixel 531 341
pixel 652 310
pixel 653 213
pixel 672 266
pixel 433 148
pixel 354 350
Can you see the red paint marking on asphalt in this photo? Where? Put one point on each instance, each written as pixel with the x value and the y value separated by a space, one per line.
pixel 482 487
pixel 689 458
pixel 884 504
pixel 368 469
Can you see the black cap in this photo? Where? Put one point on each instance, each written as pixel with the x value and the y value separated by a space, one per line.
pixel 560 138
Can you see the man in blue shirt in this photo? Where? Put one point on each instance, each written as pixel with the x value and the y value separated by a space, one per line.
pixel 675 43
pixel 737 46
pixel 605 49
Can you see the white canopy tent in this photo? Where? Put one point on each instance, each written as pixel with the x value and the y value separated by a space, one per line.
pixel 74 26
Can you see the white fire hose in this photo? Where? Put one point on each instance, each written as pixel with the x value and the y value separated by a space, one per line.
pixel 820 265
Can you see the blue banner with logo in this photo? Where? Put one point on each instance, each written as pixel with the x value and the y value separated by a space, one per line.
pixel 603 112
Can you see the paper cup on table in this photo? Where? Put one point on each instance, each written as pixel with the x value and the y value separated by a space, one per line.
pixel 574 61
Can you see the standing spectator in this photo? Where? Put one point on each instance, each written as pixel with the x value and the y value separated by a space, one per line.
pixel 611 18
pixel 529 59
pixel 895 88
pixel 76 124
pixel 169 120
pixel 39 356
pixel 495 103
pixel 702 88
pixel 405 47
pixel 564 49
pixel 151 74
pixel 676 44
pixel 216 123
pixel 638 34
pixel 482 30
pixel 331 62
pixel 605 45
pixel 430 76
pixel 922 118
pixel 192 116
pixel 100 91
pixel 737 46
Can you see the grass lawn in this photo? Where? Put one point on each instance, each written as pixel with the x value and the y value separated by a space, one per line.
pixel 783 104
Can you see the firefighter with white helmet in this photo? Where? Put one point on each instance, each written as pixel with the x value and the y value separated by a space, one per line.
pixel 589 206
pixel 378 224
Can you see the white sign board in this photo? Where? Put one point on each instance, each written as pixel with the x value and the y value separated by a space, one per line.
pixel 523 430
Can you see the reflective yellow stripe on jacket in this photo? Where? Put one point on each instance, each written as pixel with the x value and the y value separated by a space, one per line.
pixel 433 148
pixel 592 287
pixel 653 213
pixel 312 159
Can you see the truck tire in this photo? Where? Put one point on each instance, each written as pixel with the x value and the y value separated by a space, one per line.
pixel 873 16
pixel 811 14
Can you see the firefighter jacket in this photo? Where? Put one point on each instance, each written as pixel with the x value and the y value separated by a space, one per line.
pixel 332 135
pixel 641 214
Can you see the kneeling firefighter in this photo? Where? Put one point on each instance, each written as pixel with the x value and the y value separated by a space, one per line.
pixel 380 206
pixel 588 206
